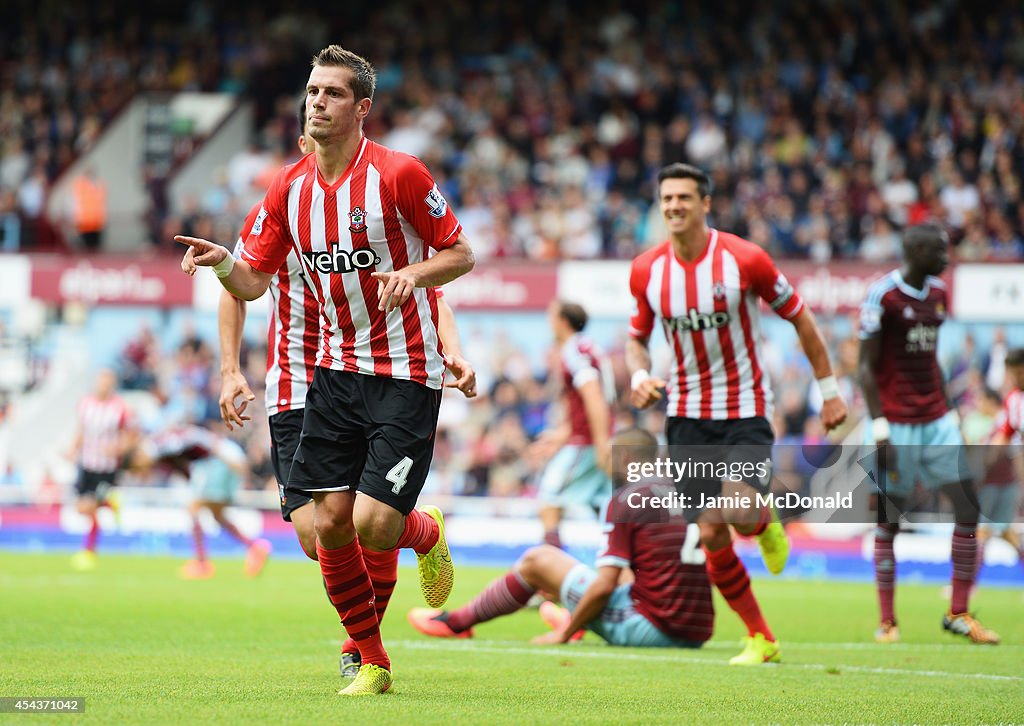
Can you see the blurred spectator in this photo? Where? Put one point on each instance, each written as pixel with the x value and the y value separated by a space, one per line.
pixel 139 361
pixel 89 209
pixel 924 125
pixel 899 193
pixel 10 222
pixel 883 243
pixel 960 200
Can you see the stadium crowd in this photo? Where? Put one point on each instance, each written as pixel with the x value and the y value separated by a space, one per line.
pixel 827 128
pixel 545 125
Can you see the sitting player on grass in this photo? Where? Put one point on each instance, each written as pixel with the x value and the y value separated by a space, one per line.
pixel 668 603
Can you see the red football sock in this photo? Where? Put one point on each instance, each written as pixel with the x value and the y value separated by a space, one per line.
pixel 964 551
pixel 420 533
pixel 764 519
pixel 551 537
pixel 885 569
pixel 92 535
pixel 503 596
pixel 200 540
pixel 231 529
pixel 348 587
pixel 382 567
pixel 730 577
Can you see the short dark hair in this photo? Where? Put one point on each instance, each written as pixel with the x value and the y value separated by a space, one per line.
pixel 302 116
pixel 1014 357
pixel 573 314
pixel 679 170
pixel 923 233
pixel 632 446
pixel 364 78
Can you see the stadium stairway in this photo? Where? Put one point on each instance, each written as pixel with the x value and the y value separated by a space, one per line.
pixel 42 422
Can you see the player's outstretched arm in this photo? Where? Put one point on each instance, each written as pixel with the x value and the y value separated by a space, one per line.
pixel 645 389
pixel 448 331
pixel 591 604
pixel 230 322
pixel 395 287
pixel 237 276
pixel 833 409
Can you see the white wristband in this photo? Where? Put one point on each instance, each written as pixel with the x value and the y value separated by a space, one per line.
pixel 829 388
pixel 224 267
pixel 638 377
pixel 880 429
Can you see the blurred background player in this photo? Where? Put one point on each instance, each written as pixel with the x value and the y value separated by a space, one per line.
pixel 291 361
pixel 101 439
pixel 575 474
pixel 216 468
pixel 1000 501
pixel 914 430
pixel 215 479
pixel 650 587
pixel 704 287
pixel 371 412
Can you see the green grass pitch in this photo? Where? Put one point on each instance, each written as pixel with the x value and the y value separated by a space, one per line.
pixel 145 647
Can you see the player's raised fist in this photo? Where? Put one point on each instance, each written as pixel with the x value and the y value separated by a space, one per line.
pixel 833 413
pixel 647 392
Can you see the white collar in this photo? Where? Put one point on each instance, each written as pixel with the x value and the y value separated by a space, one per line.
pixel 913 292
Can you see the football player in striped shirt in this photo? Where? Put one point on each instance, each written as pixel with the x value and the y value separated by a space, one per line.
pixel 371 410
pixel 292 349
pixel 703 288
pixel 102 438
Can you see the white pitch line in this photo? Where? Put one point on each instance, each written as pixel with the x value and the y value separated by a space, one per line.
pixel 881 648
pixel 574 652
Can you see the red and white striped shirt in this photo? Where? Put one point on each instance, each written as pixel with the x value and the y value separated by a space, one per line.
pixel 101 421
pixel 1011 419
pixel 395 213
pixel 709 312
pixel 294 331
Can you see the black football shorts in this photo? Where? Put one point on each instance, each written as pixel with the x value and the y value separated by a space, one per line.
pixel 285 429
pixel 371 434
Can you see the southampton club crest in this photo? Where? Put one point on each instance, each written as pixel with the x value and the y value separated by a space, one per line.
pixel 357 220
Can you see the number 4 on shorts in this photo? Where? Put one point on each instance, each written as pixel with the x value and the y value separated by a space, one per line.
pixel 399 474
